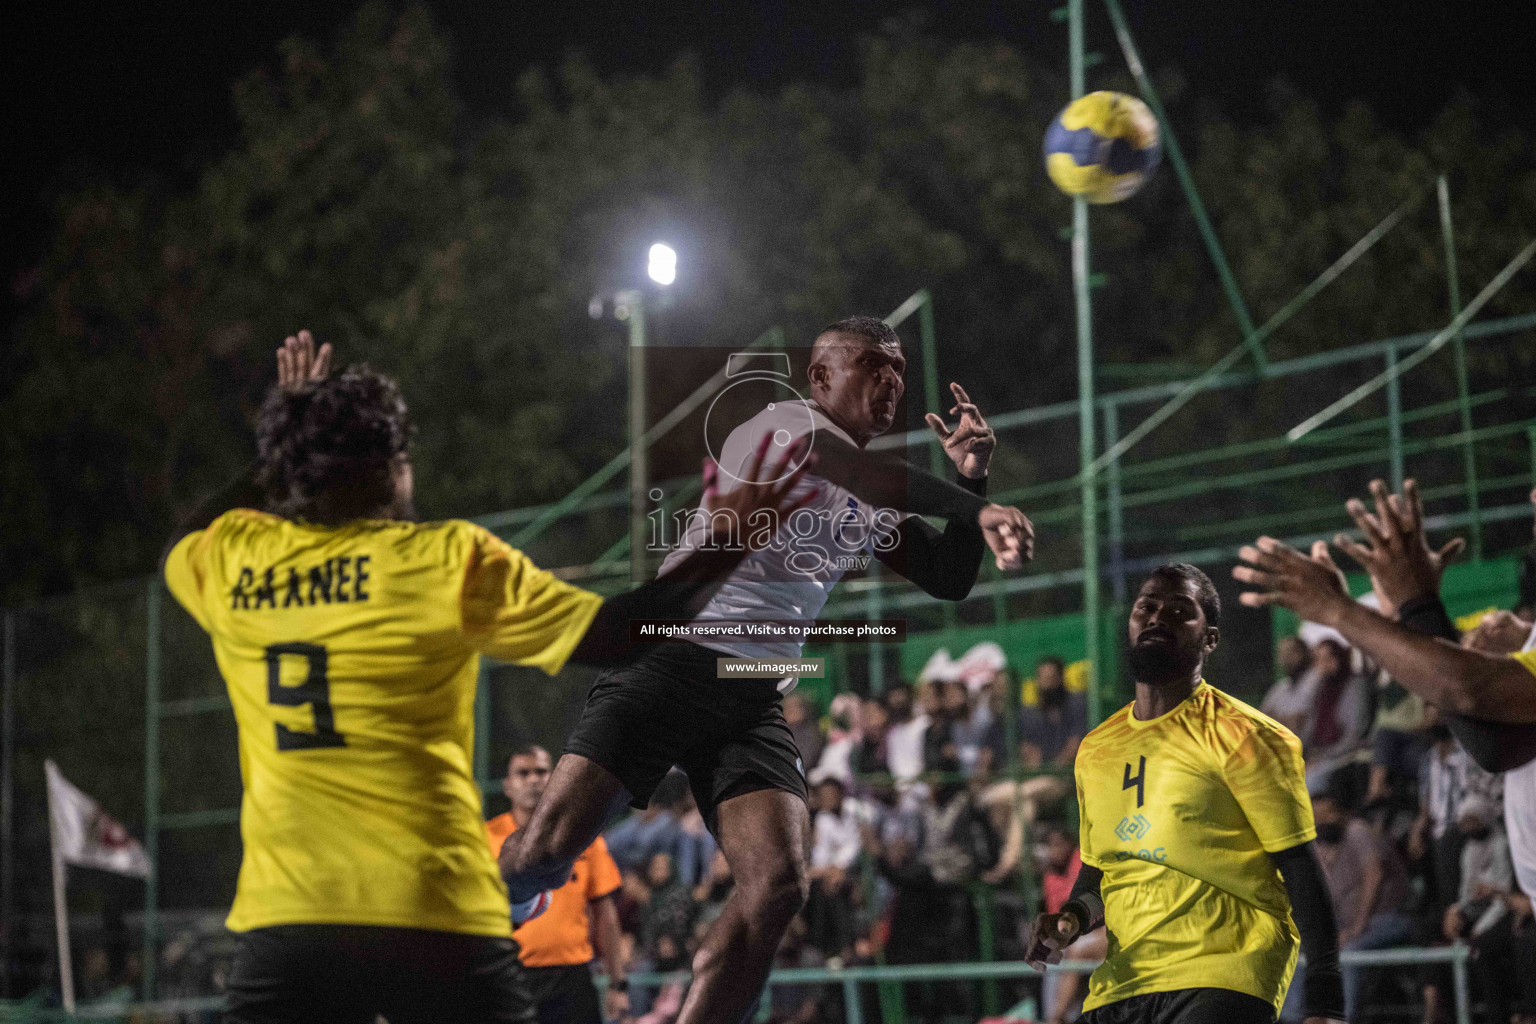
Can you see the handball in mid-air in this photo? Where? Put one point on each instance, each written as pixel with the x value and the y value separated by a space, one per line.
pixel 1102 146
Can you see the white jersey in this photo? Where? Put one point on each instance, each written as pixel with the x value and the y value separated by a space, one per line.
pixel 1520 814
pixel 787 581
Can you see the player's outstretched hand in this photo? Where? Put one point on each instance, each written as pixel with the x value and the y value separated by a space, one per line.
pixel 1009 533
pixel 761 497
pixel 970 445
pixel 1047 937
pixel 1311 587
pixel 1396 553
pixel 298 363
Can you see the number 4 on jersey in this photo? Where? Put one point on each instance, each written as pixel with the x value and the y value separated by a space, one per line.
pixel 1138 780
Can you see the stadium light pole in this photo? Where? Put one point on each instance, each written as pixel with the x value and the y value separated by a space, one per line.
pixel 1086 439
pixel 629 306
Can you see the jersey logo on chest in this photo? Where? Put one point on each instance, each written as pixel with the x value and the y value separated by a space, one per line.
pixel 1132 828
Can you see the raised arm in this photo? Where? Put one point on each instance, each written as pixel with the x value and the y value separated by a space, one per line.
pixel 297 364
pixel 1457 680
pixel 1405 575
pixel 944 564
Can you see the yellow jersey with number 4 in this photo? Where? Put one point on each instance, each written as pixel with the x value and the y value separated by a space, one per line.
pixel 1181 813
pixel 351 657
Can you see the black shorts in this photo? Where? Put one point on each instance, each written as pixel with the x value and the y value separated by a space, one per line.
pixel 564 995
pixel 1185 1006
pixel 350 974
pixel 669 708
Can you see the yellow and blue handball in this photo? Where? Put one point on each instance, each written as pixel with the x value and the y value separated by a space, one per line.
pixel 1102 146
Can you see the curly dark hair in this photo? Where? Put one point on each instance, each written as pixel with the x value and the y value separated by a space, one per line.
pixel 326 451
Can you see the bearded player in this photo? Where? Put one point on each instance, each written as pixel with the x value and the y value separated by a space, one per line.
pixel 729 735
pixel 349 637
pixel 1196 841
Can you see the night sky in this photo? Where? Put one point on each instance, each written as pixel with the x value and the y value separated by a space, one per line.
pixel 145 87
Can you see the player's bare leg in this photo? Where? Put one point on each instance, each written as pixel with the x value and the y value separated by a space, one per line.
pixel 577 804
pixel 766 839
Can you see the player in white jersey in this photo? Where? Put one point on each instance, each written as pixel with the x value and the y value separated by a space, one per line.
pixel 1486 689
pixel 729 735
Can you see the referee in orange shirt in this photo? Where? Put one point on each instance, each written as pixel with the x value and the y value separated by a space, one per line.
pixel 557 947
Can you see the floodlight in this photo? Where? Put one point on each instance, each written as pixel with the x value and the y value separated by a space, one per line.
pixel 663 264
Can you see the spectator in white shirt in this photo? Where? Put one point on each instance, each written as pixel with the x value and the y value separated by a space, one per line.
pixel 1289 700
pixel 904 739
pixel 837 756
pixel 837 831
pixel 1486 872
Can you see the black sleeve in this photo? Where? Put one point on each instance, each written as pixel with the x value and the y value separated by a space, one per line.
pixel 890 481
pixel 241 492
pixel 1495 746
pixel 943 564
pixel 1312 909
pixel 680 594
pixel 1085 901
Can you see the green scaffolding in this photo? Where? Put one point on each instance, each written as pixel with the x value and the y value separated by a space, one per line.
pixel 1097 498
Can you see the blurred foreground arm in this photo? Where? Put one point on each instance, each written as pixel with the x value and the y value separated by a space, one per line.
pixel 1405 575
pixel 1444 674
pixel 683 592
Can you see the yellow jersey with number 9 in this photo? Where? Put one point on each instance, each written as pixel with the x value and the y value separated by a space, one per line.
pixel 351 658
pixel 1181 813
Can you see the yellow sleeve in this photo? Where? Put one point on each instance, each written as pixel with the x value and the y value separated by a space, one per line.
pixel 186 573
pixel 1266 775
pixel 1528 659
pixel 1084 826
pixel 515 611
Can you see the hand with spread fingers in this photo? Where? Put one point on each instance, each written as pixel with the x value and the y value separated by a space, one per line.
pixel 971 443
pixel 736 516
pixel 298 363
pixel 1312 587
pixel 1396 552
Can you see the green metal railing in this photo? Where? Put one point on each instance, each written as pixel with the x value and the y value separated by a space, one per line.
pixel 847 979
pixel 874 597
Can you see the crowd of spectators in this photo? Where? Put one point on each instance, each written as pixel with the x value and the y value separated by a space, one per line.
pixel 922 820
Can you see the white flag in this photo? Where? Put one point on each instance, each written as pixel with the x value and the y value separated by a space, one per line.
pixel 85 835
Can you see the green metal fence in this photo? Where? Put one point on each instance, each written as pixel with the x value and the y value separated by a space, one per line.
pixel 119 685
pixel 848 983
